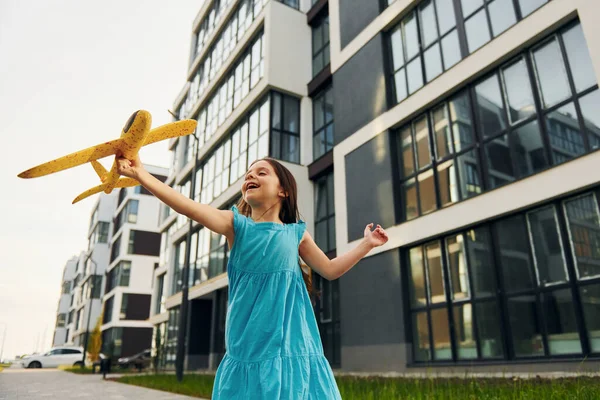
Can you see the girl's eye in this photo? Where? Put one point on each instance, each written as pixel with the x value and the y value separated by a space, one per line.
pixel 263 173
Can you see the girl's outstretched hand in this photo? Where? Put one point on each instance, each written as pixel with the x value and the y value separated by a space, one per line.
pixel 129 168
pixel 376 237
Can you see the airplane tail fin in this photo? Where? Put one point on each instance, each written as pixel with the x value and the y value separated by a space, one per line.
pixel 121 183
pixel 100 170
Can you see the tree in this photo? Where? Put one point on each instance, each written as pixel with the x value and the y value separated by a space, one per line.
pixel 95 342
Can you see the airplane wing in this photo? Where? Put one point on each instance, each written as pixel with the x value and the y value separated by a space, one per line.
pixel 74 159
pixel 171 130
pixel 121 183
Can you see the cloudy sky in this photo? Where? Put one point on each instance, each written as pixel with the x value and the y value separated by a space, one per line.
pixel 71 73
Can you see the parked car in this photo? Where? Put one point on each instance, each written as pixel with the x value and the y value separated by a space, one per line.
pixel 140 360
pixel 61 355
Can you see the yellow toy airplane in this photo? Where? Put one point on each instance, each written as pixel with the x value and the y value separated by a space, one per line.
pixel 135 134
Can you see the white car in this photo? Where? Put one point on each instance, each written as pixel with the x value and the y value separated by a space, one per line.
pixel 63 355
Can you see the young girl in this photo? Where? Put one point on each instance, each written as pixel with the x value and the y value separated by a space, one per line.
pixel 273 347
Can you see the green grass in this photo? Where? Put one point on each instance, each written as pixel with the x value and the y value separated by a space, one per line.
pixel 192 385
pixel 78 370
pixel 355 388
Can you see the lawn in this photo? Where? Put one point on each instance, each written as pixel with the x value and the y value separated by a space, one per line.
pixel 354 388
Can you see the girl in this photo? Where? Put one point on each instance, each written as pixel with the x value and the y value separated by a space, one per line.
pixel 273 347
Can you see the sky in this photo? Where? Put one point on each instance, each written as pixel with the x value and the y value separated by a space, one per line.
pixel 71 74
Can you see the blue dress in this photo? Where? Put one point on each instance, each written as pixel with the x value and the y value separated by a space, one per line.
pixel 273 347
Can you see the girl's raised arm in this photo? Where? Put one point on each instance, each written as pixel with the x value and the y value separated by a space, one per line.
pixel 219 221
pixel 333 269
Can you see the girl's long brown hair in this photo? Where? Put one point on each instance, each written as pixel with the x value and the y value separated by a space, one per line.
pixel 288 214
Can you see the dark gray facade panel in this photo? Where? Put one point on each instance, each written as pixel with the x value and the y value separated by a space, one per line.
pixel 371 314
pixel 355 15
pixel 359 89
pixel 369 194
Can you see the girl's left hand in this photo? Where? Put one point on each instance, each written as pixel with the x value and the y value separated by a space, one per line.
pixel 376 237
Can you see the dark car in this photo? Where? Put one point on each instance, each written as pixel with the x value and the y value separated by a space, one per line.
pixel 140 360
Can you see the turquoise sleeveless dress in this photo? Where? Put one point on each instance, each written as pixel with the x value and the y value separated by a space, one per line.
pixel 273 346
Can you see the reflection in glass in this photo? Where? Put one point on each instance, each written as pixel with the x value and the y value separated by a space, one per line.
pixel 442 350
pixel 446 18
pixel 417 282
pixel 411 36
pixel 422 142
pixel 584 233
pixel 433 62
pixel 499 161
pixel 457 264
pixel 409 199
pixel 470 183
pixel 400 85
pixel 518 91
pixel 448 187
pixel 460 116
pixel 566 141
pixel 528 6
pixel 428 28
pixel 415 75
pixel 514 254
pixel 561 326
pixel 397 49
pixel 528 149
pixel 451 49
pixel 551 74
pixel 407 167
pixel 579 58
pixel 478 33
pixel 466 345
pixel 590 300
pixel 481 262
pixel 525 327
pixel 547 249
pixel 468 6
pixel 489 106
pixel 489 329
pixel 427 192
pixel 443 137
pixel 502 15
pixel 433 256
pixel 421 336
pixel 590 104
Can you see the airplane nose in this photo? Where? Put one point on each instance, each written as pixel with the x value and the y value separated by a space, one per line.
pixel 130 121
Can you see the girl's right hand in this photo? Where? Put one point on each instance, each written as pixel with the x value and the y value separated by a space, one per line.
pixel 129 168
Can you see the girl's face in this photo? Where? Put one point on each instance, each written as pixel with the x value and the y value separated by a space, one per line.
pixel 261 185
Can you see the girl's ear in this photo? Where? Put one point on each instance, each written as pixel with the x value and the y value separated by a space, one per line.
pixel 283 193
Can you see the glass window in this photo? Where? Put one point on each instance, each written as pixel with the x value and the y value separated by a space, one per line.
pixel 502 15
pixel 589 104
pixel 481 262
pixel 320 45
pixel 566 139
pixel 325 213
pixel 590 301
pixel 525 326
pixel 563 334
pixel 421 336
pixel 417 281
pixel 457 264
pixel 442 349
pixel 433 257
pixel 466 344
pixel 488 327
pixel 477 29
pixel 579 58
pixel 551 74
pixel 528 150
pixel 490 107
pixel 514 254
pixel 548 254
pixel 528 6
pixel 518 91
pixel 583 220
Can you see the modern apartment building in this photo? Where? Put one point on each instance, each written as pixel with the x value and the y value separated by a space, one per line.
pixel 61 330
pixel 134 245
pixel 467 128
pixel 86 295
